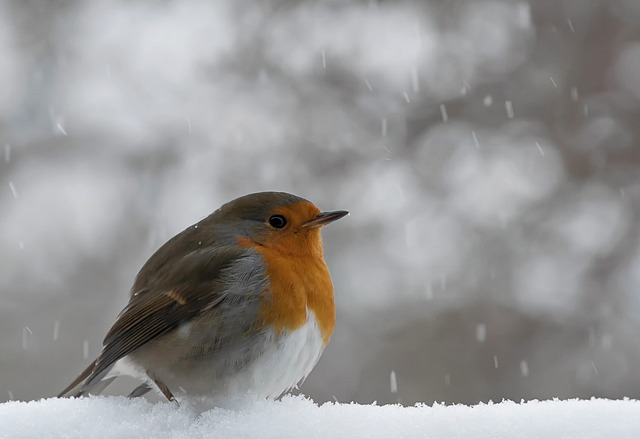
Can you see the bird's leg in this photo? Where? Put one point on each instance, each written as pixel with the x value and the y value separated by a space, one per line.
pixel 164 389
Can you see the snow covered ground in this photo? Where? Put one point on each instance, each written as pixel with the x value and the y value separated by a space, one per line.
pixel 296 416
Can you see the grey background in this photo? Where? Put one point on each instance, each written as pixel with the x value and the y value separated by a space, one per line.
pixel 488 151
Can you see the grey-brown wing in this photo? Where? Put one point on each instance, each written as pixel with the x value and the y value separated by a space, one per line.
pixel 175 296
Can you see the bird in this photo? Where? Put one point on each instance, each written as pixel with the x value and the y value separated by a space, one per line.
pixel 239 303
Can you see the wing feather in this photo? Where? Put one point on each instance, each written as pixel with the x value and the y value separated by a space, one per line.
pixel 174 297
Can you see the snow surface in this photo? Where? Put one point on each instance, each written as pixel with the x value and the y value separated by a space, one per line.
pixel 297 416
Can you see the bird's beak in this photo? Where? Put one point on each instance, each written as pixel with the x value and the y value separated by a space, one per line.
pixel 324 218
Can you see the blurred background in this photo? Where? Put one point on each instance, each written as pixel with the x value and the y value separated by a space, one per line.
pixel 488 152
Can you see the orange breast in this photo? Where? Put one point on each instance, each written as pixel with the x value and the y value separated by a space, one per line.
pixel 298 282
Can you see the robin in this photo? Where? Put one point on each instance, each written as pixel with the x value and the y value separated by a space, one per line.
pixel 240 302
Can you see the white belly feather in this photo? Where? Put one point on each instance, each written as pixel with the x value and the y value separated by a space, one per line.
pixel 286 362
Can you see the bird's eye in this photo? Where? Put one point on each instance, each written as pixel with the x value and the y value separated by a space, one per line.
pixel 277 221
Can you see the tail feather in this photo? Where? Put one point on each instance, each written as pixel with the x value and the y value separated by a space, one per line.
pixel 94 383
pixel 141 390
pixel 95 387
pixel 80 378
